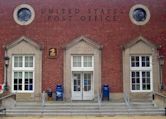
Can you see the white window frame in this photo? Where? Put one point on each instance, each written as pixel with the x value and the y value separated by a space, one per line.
pixel 82 68
pixel 23 69
pixel 141 69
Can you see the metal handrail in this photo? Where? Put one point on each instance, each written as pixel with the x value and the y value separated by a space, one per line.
pixel 163 99
pixel 126 99
pixel 159 94
pixel 3 109
pixel 43 98
pixel 99 99
pixel 6 96
pixel 71 106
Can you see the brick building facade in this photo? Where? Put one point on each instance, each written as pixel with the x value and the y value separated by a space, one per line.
pixel 83 45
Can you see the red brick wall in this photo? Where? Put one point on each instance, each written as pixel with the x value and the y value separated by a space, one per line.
pixel 112 33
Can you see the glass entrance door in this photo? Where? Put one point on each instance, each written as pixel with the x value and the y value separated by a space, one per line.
pixel 82 86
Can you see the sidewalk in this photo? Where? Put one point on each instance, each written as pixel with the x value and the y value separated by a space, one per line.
pixel 87 117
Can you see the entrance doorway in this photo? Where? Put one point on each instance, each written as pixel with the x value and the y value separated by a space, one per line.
pixel 82 86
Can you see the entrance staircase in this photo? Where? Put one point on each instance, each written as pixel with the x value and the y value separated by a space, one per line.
pixel 84 108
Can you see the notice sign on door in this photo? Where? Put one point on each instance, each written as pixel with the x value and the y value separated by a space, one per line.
pixel 52 53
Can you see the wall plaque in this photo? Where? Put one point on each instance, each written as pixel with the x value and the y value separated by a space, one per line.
pixel 52 53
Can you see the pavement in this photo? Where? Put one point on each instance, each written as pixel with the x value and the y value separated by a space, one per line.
pixel 86 117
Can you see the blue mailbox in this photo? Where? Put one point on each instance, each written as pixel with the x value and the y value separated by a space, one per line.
pixel 105 92
pixel 59 92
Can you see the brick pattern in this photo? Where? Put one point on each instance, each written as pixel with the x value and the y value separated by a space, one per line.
pixel 47 31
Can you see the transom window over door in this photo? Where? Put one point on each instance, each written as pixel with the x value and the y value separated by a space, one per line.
pixel 23 73
pixel 82 62
pixel 141 73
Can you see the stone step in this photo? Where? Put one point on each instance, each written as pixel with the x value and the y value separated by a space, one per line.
pixel 80 109
pixel 82 104
pixel 86 113
pixel 115 111
pixel 83 108
pixel 68 104
pixel 139 103
pixel 33 108
pixel 77 107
